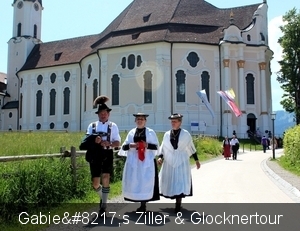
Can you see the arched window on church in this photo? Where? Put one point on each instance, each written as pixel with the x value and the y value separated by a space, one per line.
pixel 139 61
pixel 205 83
pixel 52 101
pixel 35 31
pixel 66 101
pixel 19 32
pixel 115 85
pixel 131 62
pixel 180 86
pixel 193 59
pixel 123 63
pixel 39 97
pixel 250 88
pixel 148 87
pixel 89 71
pixel 84 95
pixel 21 104
pixel 249 37
pixel 95 90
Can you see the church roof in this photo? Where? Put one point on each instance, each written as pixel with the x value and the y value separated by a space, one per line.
pixel 144 21
pixel 11 105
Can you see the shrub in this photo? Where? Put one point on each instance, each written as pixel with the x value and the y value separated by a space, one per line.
pixel 291 142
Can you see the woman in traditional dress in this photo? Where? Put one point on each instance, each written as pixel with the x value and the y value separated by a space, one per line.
pixel 226 148
pixel 175 177
pixel 140 174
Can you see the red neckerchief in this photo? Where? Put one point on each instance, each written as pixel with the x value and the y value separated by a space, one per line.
pixel 141 151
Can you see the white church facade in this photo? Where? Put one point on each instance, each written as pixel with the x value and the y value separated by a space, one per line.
pixel 152 60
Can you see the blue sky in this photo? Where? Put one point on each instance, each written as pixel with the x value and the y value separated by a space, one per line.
pixel 62 19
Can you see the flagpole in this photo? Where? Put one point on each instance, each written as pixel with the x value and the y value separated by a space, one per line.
pixel 227 118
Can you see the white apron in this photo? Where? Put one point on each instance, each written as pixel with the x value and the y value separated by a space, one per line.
pixel 138 176
pixel 175 175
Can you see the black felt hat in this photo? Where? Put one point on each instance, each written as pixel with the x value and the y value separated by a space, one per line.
pixel 140 114
pixel 175 116
pixel 100 100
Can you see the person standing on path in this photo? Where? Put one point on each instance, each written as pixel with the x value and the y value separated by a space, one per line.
pixel 175 177
pixel 264 143
pixel 235 145
pixel 226 148
pixel 140 174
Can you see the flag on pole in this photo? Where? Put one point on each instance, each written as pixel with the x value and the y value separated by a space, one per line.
pixel 203 97
pixel 228 97
pixel 231 93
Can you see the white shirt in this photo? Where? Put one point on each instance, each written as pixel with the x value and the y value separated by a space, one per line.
pixel 234 141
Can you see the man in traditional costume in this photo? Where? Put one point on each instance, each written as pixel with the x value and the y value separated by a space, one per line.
pixel 235 145
pixel 140 174
pixel 101 137
pixel 175 177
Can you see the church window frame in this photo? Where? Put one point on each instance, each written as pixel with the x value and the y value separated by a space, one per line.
pixel 250 88
pixel 148 87
pixel 180 86
pixel 52 102
pixel 193 59
pixel 67 101
pixel 205 79
pixel 39 103
pixel 115 89
pixel 95 91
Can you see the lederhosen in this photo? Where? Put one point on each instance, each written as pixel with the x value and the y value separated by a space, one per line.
pixel 101 158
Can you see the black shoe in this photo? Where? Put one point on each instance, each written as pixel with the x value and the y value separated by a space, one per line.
pixel 177 208
pixel 102 213
pixel 141 209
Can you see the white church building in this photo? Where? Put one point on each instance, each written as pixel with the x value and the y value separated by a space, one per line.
pixel 152 58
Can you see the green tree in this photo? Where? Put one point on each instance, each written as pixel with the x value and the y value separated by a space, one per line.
pixel 289 73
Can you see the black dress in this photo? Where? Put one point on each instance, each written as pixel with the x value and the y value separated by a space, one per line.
pixel 140 135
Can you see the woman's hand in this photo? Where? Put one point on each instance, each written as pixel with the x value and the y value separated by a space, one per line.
pixel 133 145
pixel 198 164
pixel 159 161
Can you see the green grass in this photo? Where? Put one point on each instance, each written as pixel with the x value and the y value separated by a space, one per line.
pixel 285 163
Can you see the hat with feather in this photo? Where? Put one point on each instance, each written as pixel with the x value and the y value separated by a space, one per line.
pixel 101 100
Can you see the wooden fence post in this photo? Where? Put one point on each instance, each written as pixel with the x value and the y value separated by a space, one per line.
pixel 73 164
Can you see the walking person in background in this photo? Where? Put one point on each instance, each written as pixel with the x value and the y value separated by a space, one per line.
pixel 140 174
pixel 102 136
pixel 235 145
pixel 175 177
pixel 273 145
pixel 264 143
pixel 226 148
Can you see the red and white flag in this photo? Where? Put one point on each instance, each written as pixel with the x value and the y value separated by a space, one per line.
pixel 229 99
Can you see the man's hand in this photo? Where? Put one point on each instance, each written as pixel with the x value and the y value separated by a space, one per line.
pixel 98 140
pixel 105 143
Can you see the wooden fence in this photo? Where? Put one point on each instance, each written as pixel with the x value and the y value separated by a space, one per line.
pixel 72 153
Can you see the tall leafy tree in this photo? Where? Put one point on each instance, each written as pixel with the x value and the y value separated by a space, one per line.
pixel 289 73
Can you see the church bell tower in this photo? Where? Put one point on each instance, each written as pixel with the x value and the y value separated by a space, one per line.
pixel 26 33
